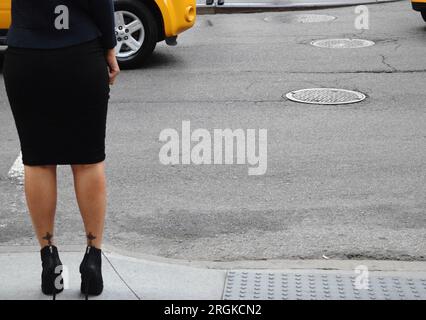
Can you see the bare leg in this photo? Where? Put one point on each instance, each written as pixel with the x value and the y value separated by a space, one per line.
pixel 41 194
pixel 90 190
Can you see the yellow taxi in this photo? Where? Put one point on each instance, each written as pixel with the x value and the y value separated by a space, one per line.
pixel 420 5
pixel 140 25
pixel 4 20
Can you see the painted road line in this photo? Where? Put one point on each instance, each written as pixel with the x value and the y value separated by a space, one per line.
pixel 17 169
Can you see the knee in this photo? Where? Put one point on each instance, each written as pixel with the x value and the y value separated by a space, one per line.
pixel 86 167
pixel 81 166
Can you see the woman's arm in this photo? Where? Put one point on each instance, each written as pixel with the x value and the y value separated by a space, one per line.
pixel 103 14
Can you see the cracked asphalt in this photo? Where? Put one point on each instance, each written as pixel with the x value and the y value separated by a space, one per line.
pixel 347 182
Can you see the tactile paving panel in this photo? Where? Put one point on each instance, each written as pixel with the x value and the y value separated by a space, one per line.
pixel 325 96
pixel 253 285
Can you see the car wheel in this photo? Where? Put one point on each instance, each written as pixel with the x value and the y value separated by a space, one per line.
pixel 136 31
pixel 424 15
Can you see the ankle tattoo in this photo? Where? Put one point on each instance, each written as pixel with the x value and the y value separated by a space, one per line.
pixel 48 237
pixel 90 238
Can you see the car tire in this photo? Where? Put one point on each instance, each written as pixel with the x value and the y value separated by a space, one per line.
pixel 136 10
pixel 424 15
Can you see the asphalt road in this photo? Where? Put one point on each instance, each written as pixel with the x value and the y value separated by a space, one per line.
pixel 342 181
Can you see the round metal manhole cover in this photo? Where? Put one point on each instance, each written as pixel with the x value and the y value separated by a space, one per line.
pixel 313 18
pixel 325 96
pixel 342 43
pixel 301 18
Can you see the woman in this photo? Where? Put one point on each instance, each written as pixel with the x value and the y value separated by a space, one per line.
pixel 58 67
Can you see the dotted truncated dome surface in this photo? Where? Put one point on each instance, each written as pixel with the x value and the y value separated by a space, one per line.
pixel 251 285
pixel 326 96
pixel 342 43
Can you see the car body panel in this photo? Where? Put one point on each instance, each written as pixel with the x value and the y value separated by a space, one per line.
pixel 419 5
pixel 178 15
pixel 5 16
pixel 5 19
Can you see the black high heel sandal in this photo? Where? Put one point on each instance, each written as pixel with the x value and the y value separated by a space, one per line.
pixel 91 272
pixel 51 275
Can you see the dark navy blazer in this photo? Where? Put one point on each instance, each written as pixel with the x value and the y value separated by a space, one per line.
pixel 33 23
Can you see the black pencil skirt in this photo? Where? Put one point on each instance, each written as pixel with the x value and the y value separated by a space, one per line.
pixel 59 100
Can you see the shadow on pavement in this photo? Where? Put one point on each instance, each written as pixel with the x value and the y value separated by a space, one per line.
pixel 160 60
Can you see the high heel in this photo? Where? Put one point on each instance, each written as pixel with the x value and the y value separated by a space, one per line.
pixel 87 286
pixel 91 272
pixel 51 273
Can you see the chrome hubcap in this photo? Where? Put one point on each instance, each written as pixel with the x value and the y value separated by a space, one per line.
pixel 130 34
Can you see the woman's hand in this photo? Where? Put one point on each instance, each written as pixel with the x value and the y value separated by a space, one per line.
pixel 113 67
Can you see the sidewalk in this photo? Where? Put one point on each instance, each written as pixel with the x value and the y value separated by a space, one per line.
pixel 125 278
pixel 151 278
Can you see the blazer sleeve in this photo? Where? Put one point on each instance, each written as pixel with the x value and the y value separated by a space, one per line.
pixel 103 14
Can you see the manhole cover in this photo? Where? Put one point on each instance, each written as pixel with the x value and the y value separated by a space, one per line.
pixel 312 18
pixel 342 43
pixel 327 96
pixel 301 18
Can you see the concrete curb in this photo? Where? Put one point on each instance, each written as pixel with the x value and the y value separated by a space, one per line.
pixel 229 8
pixel 279 264
pixel 314 264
